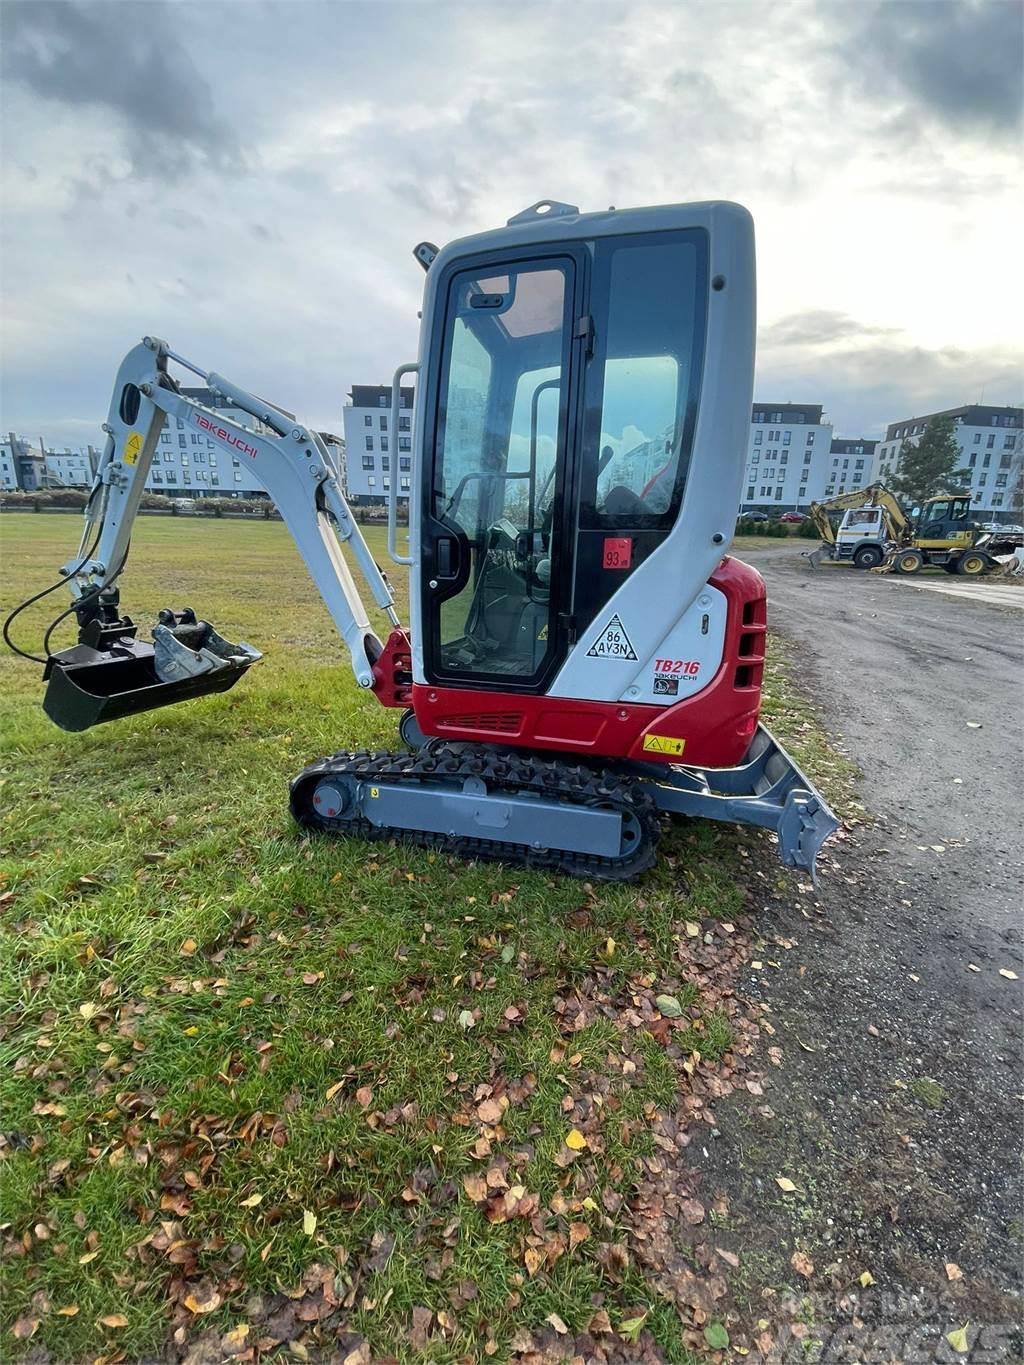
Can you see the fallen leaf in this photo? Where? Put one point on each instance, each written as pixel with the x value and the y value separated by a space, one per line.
pixel 236 1336
pixel 600 1322
pixel 364 1096
pixel 476 1187
pixel 489 1111
pixel 332 1090
pixel 70 1311
pixel 578 1232
pixel 308 1222
pixel 575 1140
pixel 953 1271
pixel 716 1336
pixel 557 1323
pixel 200 1306
pixel 669 1006
pixel 729 1257
pixel 421 1320
pixel 252 1201
pixel 87 1010
pixel 866 1278
pixel 188 948
pixel 631 1328
pixel 693 1212
pixel 958 1339
pixel 113 1320
pixel 87 1257
pixel 466 1019
pixel 785 1184
pixel 533 1260
pixel 24 1329
pixel 692 930
pixel 802 1264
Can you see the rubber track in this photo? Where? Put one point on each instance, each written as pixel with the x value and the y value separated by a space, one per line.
pixel 504 771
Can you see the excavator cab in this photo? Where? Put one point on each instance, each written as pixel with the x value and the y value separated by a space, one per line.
pixel 944 521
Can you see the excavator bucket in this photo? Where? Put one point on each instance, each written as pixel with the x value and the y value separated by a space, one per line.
pixel 91 683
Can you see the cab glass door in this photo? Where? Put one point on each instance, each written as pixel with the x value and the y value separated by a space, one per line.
pixel 494 527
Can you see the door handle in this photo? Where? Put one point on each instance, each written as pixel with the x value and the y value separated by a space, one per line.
pixel 445 557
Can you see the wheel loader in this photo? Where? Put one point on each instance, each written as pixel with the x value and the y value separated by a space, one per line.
pixel 583 655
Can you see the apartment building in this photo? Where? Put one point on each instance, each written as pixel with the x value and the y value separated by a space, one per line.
pixel 374 454
pixel 991 444
pixel 851 465
pixel 788 456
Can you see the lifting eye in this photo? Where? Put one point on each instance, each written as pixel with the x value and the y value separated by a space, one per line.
pixel 129 408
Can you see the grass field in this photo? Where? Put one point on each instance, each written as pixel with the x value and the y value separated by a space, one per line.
pixel 231 1057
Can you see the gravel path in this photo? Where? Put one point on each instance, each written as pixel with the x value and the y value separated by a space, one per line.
pixel 896 1103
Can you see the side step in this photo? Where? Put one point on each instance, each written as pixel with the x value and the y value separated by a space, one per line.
pixel 767 789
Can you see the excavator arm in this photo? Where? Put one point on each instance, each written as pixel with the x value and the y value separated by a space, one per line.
pixel 875 495
pixel 110 673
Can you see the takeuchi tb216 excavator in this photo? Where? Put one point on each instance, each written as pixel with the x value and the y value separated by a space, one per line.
pixel 582 655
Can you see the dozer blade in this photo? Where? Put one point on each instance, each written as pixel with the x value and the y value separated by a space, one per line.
pixel 188 659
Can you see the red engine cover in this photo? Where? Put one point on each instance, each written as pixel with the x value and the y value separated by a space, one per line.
pixel 715 725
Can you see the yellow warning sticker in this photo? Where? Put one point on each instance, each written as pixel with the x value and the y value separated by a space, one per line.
pixel 663 744
pixel 543 634
pixel 374 792
pixel 132 447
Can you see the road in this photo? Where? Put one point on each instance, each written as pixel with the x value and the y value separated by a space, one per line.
pixel 905 675
pixel 892 1000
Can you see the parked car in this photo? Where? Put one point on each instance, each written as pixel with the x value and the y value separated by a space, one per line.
pixel 755 515
pixel 793 517
pixel 1007 528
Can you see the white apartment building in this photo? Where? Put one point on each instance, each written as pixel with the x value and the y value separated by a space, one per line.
pixel 991 446
pixel 70 468
pixel 788 456
pixel 375 455
pixel 851 465
pixel 21 465
pixel 187 464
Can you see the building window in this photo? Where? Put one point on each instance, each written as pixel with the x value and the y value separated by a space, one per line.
pixel 202 475
pixel 367 421
pixel 168 456
pixel 1004 462
pixel 369 443
pixel 195 439
pixel 181 424
pixel 157 476
pixel 756 457
pixel 385 463
pixel 1008 442
pixel 750 492
pixel 778 493
pixel 235 462
pixel 807 456
pixel 214 479
pixel 404 483
pixel 785 437
pixel 986 461
pixel 810 438
pixel 859 464
pixel 383 400
pixel 383 443
pixel 200 457
pixel 785 457
pixel 1000 480
pixel 181 440
pixel 764 491
pixel 371 482
pixel 165 438
pixel 758 437
pixel 184 457
pixel 404 443
pixel 238 476
pixel 977 438
pixel 990 442
pixel 383 424
pixel 997 499
pixel 403 424
pixel 982 480
pixel 186 477
pixel 368 462
pixel 973 460
pixel 404 462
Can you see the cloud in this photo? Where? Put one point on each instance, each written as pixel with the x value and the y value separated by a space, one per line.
pixel 127 60
pixel 957 62
pixel 818 327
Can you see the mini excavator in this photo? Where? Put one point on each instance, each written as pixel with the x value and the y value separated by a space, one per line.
pixel 583 654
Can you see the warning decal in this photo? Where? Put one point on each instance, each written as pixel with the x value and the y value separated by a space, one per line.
pixel 663 744
pixel 132 447
pixel 612 643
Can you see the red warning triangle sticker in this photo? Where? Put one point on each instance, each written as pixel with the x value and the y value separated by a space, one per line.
pixel 612 643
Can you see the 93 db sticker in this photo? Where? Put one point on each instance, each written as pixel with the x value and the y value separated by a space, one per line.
pixel 612 643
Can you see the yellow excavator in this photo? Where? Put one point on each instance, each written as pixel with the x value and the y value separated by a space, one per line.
pixel 875 530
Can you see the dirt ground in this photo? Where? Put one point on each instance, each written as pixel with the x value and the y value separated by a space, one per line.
pixel 893 1102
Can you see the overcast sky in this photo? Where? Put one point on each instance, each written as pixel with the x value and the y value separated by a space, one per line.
pixel 247 180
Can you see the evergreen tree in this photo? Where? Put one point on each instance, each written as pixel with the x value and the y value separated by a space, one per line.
pixel 930 465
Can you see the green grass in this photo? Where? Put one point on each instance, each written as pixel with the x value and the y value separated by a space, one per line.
pixel 929 1092
pixel 184 978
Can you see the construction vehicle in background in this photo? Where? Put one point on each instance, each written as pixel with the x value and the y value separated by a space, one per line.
pixel 875 531
pixel 583 654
